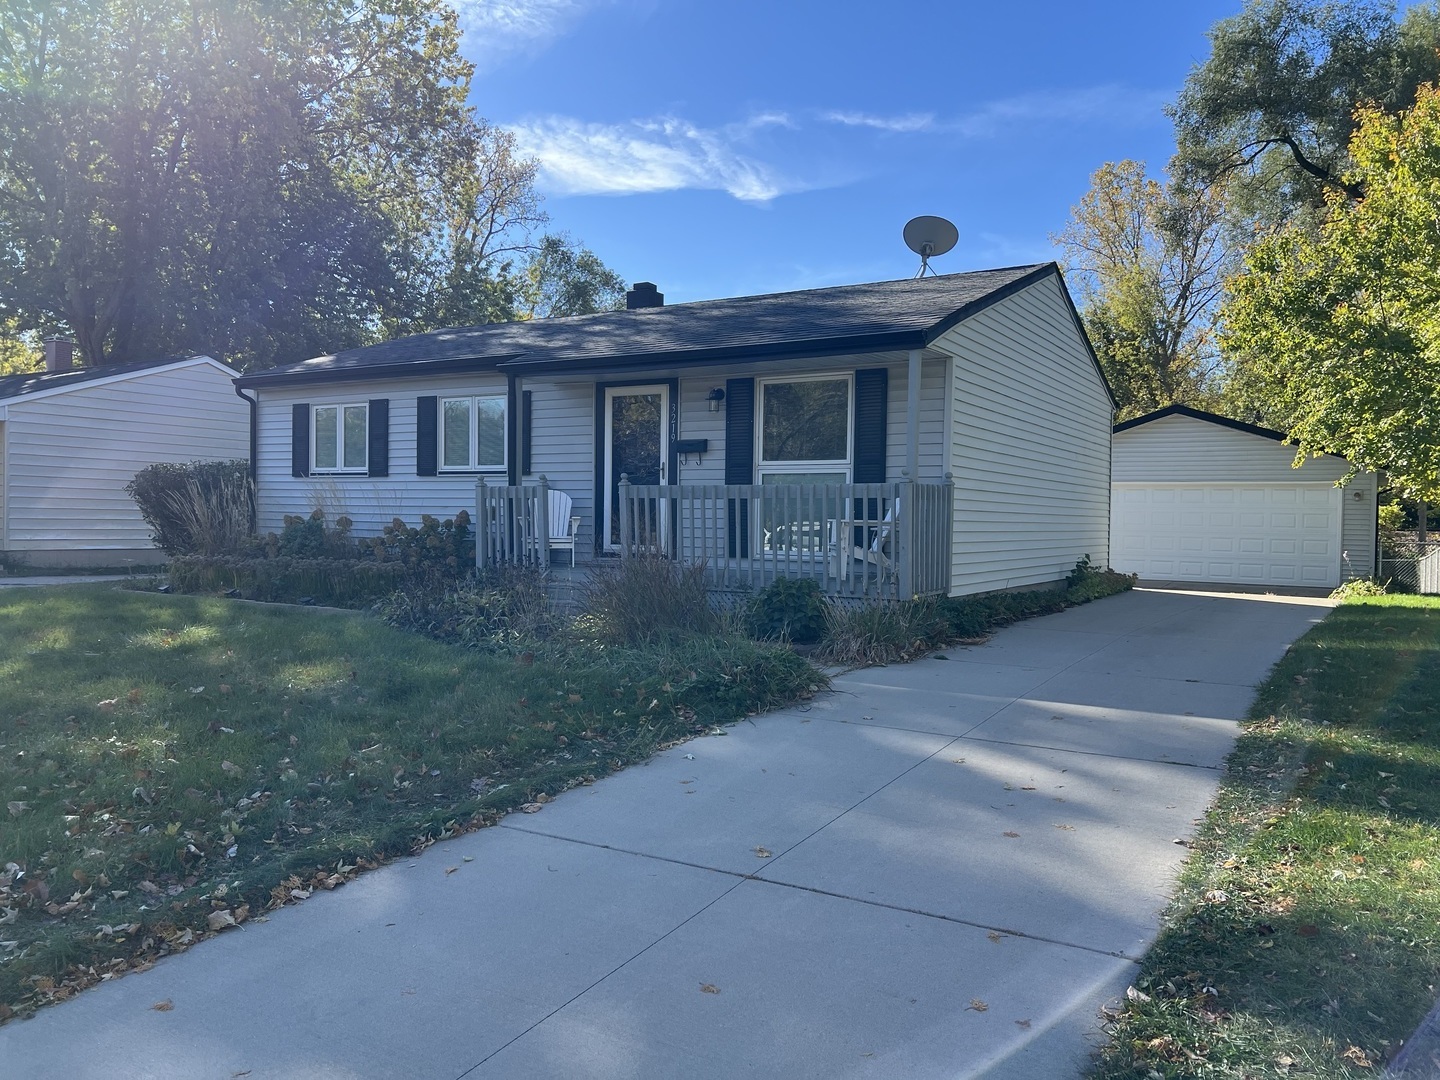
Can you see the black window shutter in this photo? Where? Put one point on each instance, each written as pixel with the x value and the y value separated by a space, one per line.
pixel 739 458
pixel 300 440
pixel 378 456
pixel 427 436
pixel 870 414
pixel 525 413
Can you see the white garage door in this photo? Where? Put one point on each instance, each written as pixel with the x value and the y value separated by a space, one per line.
pixel 1254 534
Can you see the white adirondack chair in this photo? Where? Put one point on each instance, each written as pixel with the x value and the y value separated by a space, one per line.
pixel 563 523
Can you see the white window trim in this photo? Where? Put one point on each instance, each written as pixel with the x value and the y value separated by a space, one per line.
pixel 339 466
pixel 474 435
pixel 843 467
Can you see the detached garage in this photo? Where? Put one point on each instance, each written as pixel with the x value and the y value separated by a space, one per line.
pixel 1200 497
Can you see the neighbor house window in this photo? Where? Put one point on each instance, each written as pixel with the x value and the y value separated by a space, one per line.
pixel 340 438
pixel 804 430
pixel 472 433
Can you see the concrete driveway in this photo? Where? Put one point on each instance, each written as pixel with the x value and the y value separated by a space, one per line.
pixel 940 870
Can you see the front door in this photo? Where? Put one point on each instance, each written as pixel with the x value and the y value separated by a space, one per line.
pixel 636 446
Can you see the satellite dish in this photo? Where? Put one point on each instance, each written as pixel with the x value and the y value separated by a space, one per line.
pixel 929 236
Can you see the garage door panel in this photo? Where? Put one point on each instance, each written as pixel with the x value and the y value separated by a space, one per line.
pixel 1253 534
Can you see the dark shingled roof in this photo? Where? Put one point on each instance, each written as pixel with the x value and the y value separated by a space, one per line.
pixel 1200 414
pixel 885 315
pixel 14 386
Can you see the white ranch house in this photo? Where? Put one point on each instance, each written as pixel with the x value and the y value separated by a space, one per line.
pixel 72 438
pixel 1203 498
pixel 940 435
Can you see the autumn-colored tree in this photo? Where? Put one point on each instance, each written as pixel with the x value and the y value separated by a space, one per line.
pixel 1148 261
pixel 1338 328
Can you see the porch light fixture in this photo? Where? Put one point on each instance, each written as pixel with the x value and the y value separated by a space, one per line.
pixel 716 398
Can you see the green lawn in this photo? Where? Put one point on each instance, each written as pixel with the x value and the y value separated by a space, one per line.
pixel 173 763
pixel 1306 938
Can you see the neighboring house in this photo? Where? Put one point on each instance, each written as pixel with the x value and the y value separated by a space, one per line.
pixel 71 439
pixel 1199 497
pixel 763 435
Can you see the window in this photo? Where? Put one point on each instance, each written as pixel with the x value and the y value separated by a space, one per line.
pixel 805 430
pixel 340 438
pixel 472 433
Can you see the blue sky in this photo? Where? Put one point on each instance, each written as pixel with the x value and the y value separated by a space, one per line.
pixel 728 147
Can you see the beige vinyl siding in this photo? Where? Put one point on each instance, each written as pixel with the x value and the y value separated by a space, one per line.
pixel 1030 445
pixel 562 448
pixel 1184 450
pixel 71 454
pixel 371 502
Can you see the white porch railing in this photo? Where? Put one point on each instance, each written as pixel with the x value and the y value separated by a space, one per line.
pixel 868 541
pixel 512 524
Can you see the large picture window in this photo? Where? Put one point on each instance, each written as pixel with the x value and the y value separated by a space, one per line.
pixel 472 433
pixel 340 438
pixel 805 430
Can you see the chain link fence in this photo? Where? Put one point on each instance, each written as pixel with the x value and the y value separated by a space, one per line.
pixel 1409 564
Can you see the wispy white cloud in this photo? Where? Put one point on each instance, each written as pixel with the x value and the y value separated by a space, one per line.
pixel 1111 104
pixel 496 29
pixel 906 122
pixel 1095 105
pixel 662 154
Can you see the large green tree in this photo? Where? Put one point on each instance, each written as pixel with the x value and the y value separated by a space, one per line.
pixel 1272 109
pixel 1148 260
pixel 260 181
pixel 1339 327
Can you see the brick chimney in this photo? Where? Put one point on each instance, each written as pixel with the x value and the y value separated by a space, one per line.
pixel 644 295
pixel 59 354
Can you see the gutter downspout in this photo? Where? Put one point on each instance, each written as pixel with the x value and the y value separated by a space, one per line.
pixel 254 404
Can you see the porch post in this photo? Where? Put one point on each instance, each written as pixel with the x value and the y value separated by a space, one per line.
pixel 912 415
pixel 905 519
pixel 542 518
pixel 482 527
pixel 622 507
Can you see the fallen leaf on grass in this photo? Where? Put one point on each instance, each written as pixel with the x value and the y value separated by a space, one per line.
pixel 1309 930
pixel 229 766
pixel 163 1006
pixel 17 808
pixel 1136 995
pixel 709 988
pixel 977 1005
pixel 531 807
pixel 221 920
pixel 108 705
pixel 133 697
pixel 1356 1055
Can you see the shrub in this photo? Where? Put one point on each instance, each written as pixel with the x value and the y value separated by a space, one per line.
pixel 200 507
pixel 1360 587
pixel 880 633
pixel 502 608
pixel 637 600
pixel 436 547
pixel 787 608
pixel 285 579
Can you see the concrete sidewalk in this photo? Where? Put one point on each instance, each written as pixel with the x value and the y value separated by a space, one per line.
pixel 940 870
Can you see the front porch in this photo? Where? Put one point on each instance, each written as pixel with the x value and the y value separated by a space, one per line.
pixel 886 541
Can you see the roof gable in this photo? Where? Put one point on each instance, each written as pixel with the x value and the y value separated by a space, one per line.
pixel 47 383
pixel 1200 414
